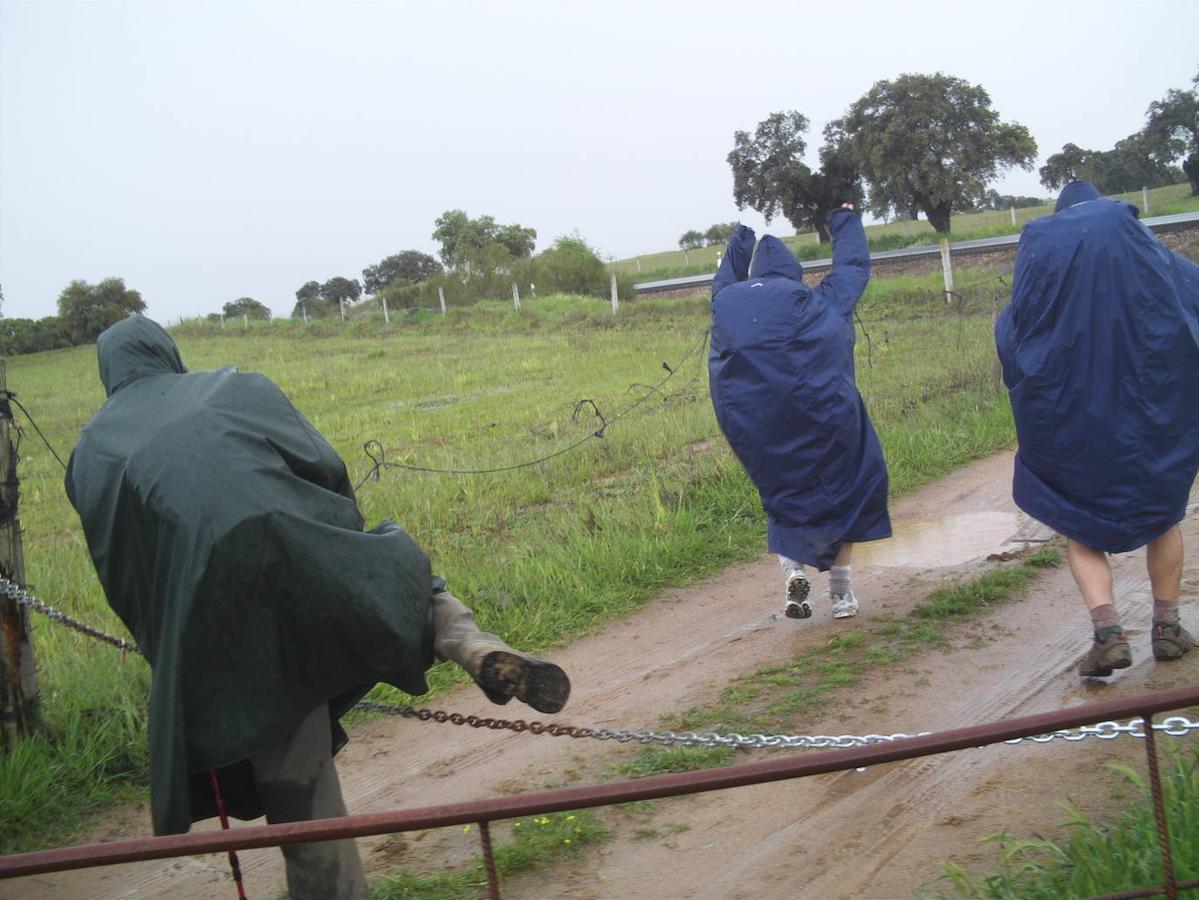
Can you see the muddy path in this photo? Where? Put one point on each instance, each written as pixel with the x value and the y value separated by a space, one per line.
pixel 878 833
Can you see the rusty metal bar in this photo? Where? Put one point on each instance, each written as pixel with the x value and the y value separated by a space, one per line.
pixel 815 763
pixel 1156 891
pixel 1159 810
pixel 493 878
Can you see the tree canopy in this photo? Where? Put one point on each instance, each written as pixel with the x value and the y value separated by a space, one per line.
pixel 246 306
pixel 720 233
pixel 87 309
pixel 691 240
pixel 770 175
pixel 1130 165
pixel 929 143
pixel 1172 130
pixel 407 267
pixel 471 247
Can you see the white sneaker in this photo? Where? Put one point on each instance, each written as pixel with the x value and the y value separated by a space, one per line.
pixel 845 606
pixel 798 605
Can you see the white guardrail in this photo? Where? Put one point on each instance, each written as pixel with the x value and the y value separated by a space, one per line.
pixel 1157 223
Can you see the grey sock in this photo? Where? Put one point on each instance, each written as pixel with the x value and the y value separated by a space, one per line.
pixel 1165 612
pixel 1105 616
pixel 789 566
pixel 838 580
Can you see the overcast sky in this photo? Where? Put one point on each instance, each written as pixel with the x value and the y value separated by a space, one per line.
pixel 206 151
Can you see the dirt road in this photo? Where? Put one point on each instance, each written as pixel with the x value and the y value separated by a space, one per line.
pixel 880 833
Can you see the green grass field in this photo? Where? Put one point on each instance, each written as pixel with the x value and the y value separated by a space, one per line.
pixel 1175 198
pixel 544 553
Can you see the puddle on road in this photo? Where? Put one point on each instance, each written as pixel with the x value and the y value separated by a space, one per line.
pixel 946 541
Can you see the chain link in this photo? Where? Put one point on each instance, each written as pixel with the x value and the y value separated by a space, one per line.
pixel 14 591
pixel 1175 726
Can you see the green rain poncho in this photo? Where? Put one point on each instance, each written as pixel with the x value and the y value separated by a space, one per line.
pixel 224 530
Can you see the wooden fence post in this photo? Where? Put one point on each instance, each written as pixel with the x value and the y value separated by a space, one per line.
pixel 1013 209
pixel 441 297
pixel 18 675
pixel 615 299
pixel 386 314
pixel 515 296
pixel 1145 200
pixel 304 312
pixel 341 304
pixel 947 270
pixel 245 319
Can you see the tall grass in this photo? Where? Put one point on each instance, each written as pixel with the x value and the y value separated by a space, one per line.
pixel 1095 859
pixel 543 553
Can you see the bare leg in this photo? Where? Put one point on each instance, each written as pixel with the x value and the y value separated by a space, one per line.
pixel 1091 572
pixel 1164 562
pixel 844 555
pixel 1093 575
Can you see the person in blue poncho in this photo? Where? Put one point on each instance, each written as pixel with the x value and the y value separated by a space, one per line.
pixel 1100 354
pixel 781 369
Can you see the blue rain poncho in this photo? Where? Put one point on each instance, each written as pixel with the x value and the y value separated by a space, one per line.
pixel 782 374
pixel 1100 353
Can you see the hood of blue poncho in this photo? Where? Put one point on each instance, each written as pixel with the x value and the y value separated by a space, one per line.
pixel 774 260
pixel 1074 193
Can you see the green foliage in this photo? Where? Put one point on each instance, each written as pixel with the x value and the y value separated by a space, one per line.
pixel 87 309
pixel 307 300
pixel 720 233
pixel 536 842
pixel 479 247
pixel 570 266
pixel 1094 859
pixel 770 175
pixel 995 200
pixel 246 306
pixel 1129 166
pixel 691 240
pixel 997 586
pixel 1172 130
pixel 408 267
pixel 930 143
pixel 651 761
pixel 32 335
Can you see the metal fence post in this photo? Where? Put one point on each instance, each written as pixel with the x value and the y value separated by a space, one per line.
pixel 493 878
pixel 18 674
pixel 1159 809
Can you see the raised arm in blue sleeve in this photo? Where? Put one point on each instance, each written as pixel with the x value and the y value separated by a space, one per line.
pixel 842 287
pixel 735 265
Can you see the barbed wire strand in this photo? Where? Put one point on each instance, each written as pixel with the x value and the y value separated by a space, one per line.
pixel 9 395
pixel 373 446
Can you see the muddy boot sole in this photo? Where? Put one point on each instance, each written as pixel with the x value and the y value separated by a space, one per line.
pixel 537 682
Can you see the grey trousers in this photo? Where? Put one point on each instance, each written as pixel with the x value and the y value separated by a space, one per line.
pixel 297 781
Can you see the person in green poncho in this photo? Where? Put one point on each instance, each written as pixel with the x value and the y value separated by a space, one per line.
pixel 225 533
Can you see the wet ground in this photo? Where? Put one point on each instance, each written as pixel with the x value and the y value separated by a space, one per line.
pixel 878 833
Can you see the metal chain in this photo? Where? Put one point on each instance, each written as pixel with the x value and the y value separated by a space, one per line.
pixel 14 591
pixel 1172 725
pixel 1176 726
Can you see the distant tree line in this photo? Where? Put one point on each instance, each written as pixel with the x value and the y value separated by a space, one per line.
pixel 84 310
pixel 1146 158
pixel 716 234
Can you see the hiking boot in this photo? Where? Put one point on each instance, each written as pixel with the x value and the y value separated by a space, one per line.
pixel 845 606
pixel 1109 652
pixel 798 605
pixel 1171 640
pixel 501 672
